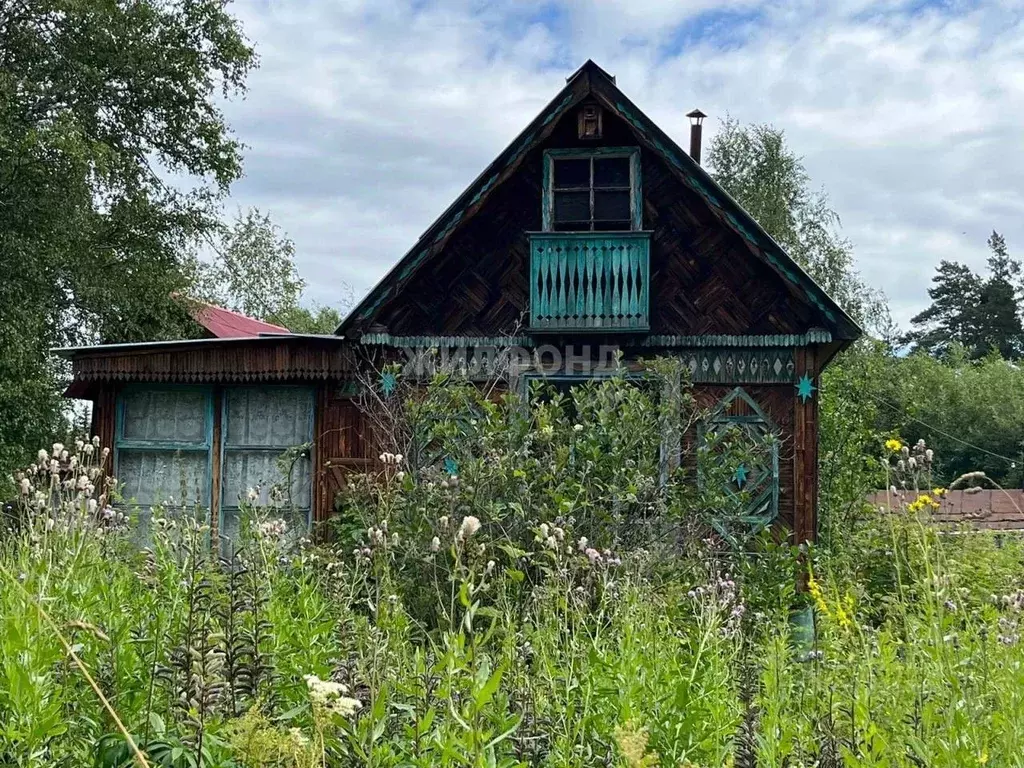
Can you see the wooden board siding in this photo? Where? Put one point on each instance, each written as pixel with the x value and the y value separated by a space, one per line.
pixel 805 464
pixel 104 411
pixel 343 446
pixel 249 361
pixel 704 280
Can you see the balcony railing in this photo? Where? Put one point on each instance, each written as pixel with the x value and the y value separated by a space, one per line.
pixel 589 281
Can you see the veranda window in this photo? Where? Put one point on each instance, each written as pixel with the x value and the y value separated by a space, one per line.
pixel 163 447
pixel 264 431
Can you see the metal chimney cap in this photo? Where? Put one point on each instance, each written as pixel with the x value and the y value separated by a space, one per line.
pixel 696 117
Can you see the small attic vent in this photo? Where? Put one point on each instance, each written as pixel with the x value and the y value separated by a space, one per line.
pixel 589 122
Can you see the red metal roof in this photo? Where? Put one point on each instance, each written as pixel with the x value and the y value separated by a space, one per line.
pixel 992 510
pixel 224 324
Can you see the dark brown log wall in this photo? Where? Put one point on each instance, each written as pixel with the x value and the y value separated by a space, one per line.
pixel 704 279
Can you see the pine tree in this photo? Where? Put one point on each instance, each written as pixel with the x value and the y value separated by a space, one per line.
pixel 978 313
pixel 951 318
pixel 998 321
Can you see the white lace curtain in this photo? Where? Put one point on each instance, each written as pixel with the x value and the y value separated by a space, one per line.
pixel 164 450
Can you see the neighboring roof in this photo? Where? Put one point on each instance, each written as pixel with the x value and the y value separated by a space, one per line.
pixel 592 81
pixel 989 510
pixel 225 324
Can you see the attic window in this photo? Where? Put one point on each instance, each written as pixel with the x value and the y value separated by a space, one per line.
pixel 589 122
pixel 596 190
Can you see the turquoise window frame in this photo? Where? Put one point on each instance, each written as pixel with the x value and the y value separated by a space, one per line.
pixel 635 185
pixel 122 444
pixel 234 506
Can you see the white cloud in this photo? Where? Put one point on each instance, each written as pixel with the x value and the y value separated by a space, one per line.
pixel 366 119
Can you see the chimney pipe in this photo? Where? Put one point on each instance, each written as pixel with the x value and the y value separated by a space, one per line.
pixel 696 128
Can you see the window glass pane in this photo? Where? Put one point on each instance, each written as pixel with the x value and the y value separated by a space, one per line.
pixel 268 417
pixel 177 416
pixel 231 526
pixel 259 469
pixel 572 226
pixel 572 173
pixel 611 172
pixel 613 226
pixel 611 206
pixel 174 478
pixel 572 206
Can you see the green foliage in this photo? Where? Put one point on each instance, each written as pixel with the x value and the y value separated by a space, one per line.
pixel 254 269
pixel 979 314
pixel 99 102
pixel 754 165
pixel 558 602
pixel 966 411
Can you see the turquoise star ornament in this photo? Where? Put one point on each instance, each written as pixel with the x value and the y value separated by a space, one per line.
pixel 805 388
pixel 388 383
pixel 451 466
pixel 740 476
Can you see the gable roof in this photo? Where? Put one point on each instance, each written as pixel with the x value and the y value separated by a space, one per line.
pixel 590 81
pixel 224 324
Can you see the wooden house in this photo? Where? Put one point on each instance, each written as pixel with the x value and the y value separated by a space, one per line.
pixel 591 231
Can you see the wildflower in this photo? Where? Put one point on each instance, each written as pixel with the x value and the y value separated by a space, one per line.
pixel 79 444
pixel 50 523
pixel 252 495
pixel 470 525
pixel 435 544
pixel 400 476
pixel 88 449
pixel 54 467
pixel 42 456
pixel 443 522
pixel 96 440
pixel 551 542
pixel 26 486
pixel 91 506
pixel 938 492
pixel 58 449
pixel 577 428
pixel 893 445
pixel 582 544
pixel 593 555
pixel 490 566
pixel 544 530
pixel 272 529
pixel 817 595
pixel 331 697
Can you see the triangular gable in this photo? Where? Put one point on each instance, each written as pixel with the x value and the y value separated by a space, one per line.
pixel 592 81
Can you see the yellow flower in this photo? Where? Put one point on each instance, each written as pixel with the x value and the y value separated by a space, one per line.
pixel 983 757
pixel 939 492
pixel 922 501
pixel 817 595
pixel 893 445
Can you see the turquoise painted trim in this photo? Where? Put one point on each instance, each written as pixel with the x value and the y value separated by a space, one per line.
pixel 635 187
pixel 750 513
pixel 224 447
pixel 168 446
pixel 387 340
pixel 813 336
pixel 589 281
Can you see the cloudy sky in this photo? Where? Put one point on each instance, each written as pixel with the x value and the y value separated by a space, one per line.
pixel 367 117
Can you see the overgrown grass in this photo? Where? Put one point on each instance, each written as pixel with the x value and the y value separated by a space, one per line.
pixel 551 604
